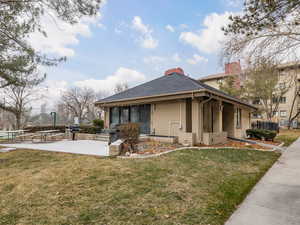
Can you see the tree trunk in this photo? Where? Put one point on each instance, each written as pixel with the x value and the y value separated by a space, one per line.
pixel 18 121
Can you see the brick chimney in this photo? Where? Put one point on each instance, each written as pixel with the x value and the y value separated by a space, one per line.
pixel 174 70
pixel 233 68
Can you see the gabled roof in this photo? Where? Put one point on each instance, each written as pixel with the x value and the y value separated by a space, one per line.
pixel 166 85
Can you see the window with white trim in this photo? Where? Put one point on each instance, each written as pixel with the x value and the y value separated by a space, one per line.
pixel 283 113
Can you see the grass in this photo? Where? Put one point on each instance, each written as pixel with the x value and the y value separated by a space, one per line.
pixel 288 136
pixel 184 187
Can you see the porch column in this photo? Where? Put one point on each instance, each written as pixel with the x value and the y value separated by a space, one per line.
pixel 196 120
pixel 106 117
pixel 220 116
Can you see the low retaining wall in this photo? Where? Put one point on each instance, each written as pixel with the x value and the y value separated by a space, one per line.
pixel 214 138
pixel 82 136
pixel 171 140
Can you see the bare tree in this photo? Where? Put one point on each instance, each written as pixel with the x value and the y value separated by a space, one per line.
pixel 120 87
pixel 79 101
pixel 229 86
pixel 264 83
pixel 266 28
pixel 19 97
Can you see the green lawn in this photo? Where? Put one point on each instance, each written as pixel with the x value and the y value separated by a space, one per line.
pixel 288 136
pixel 184 187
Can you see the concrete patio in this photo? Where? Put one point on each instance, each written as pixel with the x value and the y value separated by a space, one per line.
pixel 275 200
pixel 86 147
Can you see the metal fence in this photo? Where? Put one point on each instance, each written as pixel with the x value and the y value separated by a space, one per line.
pixel 266 125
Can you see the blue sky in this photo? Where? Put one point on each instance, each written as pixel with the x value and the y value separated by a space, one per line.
pixel 134 41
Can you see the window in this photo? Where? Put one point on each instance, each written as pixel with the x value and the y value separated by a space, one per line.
pixel 134 114
pixel 283 113
pixel 256 115
pixel 124 115
pixel 282 85
pixel 282 100
pixel 256 101
pixel 283 123
pixel 279 99
pixel 114 118
pixel 275 113
pixel 238 118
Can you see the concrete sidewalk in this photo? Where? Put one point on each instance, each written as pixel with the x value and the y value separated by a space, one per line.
pixel 275 200
pixel 86 147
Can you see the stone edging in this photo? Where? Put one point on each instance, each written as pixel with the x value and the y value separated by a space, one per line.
pixel 186 148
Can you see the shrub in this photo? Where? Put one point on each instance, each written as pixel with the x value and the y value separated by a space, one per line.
pixel 33 129
pixel 261 134
pixel 130 132
pixel 98 123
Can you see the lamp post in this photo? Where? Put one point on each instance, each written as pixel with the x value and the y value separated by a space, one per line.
pixel 53 114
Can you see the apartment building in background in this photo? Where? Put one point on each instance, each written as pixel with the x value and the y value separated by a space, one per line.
pixel 288 71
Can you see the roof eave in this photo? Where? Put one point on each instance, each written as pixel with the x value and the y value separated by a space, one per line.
pixel 153 98
pixel 173 96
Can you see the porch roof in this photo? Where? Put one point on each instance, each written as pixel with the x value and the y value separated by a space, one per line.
pixel 169 85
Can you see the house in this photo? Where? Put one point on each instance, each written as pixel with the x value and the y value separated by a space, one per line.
pixel 178 106
pixel 291 98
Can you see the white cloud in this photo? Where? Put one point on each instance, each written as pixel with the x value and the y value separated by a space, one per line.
pixel 176 57
pixel 61 35
pixel 162 60
pixel 197 59
pixel 107 84
pixel 170 28
pixel 234 3
pixel 154 59
pixel 208 39
pixel 137 24
pixel 149 42
pixel 183 26
pixel 146 39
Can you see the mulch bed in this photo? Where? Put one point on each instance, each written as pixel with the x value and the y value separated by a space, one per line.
pixel 236 144
pixel 154 147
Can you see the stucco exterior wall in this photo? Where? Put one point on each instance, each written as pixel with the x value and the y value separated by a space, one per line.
pixel 241 132
pixel 168 118
pixel 213 83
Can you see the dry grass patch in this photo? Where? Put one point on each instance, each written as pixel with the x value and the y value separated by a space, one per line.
pixel 184 187
pixel 288 136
